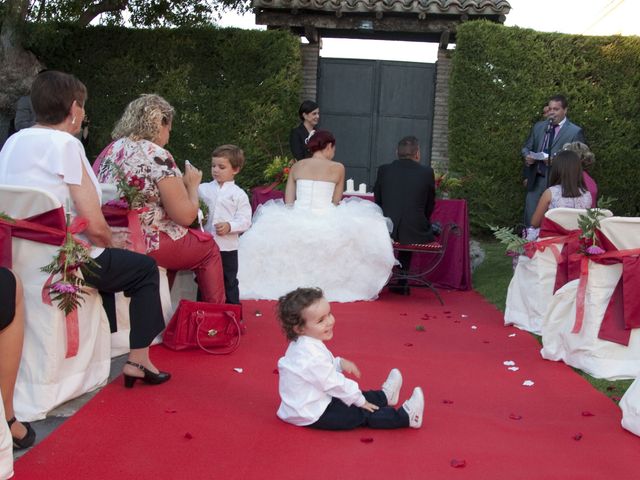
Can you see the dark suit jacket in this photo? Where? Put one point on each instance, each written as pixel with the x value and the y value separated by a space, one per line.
pixel 406 190
pixel 570 132
pixel 296 142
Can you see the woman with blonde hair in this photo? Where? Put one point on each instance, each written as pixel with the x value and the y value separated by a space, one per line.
pixel 169 198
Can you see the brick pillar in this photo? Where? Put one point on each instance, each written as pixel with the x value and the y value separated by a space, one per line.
pixel 310 57
pixel 440 139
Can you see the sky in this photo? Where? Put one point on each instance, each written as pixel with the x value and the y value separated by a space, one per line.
pixel 586 17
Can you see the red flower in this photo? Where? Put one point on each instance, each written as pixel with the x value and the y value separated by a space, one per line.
pixel 286 170
pixel 136 181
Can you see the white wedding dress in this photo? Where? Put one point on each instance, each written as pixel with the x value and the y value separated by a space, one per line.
pixel 345 250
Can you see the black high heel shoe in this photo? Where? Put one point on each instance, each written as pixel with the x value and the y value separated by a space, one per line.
pixel 25 442
pixel 149 377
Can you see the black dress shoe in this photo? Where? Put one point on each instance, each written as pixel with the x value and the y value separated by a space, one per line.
pixel 25 442
pixel 149 376
pixel 400 289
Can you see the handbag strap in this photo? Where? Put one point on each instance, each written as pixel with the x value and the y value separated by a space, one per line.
pixel 232 348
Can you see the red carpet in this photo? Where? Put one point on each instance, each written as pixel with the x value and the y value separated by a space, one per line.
pixel 210 422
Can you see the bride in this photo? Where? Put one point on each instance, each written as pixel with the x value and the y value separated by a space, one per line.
pixel 315 240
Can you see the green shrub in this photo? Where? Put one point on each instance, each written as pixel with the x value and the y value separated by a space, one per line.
pixel 502 77
pixel 227 85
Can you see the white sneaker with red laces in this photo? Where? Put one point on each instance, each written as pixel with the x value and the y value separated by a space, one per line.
pixel 415 408
pixel 391 387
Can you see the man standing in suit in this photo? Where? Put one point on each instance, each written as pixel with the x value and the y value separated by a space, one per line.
pixel 546 139
pixel 405 190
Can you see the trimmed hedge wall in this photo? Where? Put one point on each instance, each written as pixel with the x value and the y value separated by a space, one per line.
pixel 227 85
pixel 502 77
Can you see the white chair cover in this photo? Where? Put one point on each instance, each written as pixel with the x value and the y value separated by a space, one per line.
pixel 531 286
pixel 46 378
pixel 120 338
pixel 6 446
pixel 584 350
pixel 630 405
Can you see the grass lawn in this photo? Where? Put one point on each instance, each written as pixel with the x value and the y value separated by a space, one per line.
pixel 492 279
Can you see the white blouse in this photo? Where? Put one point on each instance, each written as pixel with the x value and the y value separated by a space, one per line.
pixel 310 377
pixel 227 203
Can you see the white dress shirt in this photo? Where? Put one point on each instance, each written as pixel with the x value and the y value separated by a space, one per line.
pixel 227 203
pixel 309 377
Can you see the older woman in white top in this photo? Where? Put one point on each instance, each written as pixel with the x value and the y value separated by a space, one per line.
pixel 48 156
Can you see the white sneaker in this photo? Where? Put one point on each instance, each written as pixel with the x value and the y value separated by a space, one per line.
pixel 391 387
pixel 415 408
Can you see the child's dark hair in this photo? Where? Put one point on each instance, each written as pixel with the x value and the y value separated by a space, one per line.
pixel 290 307
pixel 233 153
pixel 566 170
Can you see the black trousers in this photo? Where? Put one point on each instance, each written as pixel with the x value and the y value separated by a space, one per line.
pixel 230 272
pixel 137 276
pixel 7 297
pixel 339 416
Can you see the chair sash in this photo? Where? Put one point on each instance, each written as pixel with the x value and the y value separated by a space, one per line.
pixel 623 311
pixel 552 234
pixel 123 217
pixel 50 228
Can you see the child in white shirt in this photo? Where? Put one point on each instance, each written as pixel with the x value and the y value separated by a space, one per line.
pixel 313 390
pixel 229 212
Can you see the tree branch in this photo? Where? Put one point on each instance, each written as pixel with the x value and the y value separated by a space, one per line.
pixel 102 7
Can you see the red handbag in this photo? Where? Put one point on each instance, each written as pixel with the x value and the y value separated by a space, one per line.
pixel 214 328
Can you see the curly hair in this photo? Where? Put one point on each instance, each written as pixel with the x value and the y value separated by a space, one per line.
pixel 290 307
pixel 586 155
pixel 143 117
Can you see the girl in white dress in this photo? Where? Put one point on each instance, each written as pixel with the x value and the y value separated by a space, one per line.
pixel 567 189
pixel 315 240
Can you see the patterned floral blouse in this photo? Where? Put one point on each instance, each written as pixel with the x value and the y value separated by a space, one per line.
pixel 145 164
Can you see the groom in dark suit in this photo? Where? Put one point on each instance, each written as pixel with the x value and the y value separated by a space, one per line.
pixel 405 190
pixel 546 138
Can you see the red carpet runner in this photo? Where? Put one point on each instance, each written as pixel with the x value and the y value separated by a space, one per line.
pixel 211 422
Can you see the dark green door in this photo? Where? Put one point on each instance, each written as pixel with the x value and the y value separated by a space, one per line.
pixel 369 105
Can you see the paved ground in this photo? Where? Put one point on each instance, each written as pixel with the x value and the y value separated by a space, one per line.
pixel 57 417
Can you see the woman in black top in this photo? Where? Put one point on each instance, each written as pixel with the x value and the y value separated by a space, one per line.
pixel 309 114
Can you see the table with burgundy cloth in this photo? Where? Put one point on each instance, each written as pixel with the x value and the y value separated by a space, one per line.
pixel 454 271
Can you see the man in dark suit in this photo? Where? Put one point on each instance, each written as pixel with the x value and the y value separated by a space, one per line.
pixel 546 139
pixel 405 190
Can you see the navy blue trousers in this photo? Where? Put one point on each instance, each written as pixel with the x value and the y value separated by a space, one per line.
pixel 339 416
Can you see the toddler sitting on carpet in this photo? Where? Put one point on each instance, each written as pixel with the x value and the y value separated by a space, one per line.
pixel 313 390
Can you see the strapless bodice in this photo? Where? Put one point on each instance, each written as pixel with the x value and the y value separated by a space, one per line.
pixel 314 194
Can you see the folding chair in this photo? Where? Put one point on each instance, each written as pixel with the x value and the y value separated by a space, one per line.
pixel 417 276
pixel 584 350
pixel 46 378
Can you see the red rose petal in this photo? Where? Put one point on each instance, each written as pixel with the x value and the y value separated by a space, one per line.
pixel 455 321
pixel 170 410
pixel 366 440
pixel 514 416
pixel 577 437
pixel 408 344
pixel 276 372
pixel 447 311
pixel 455 463
pixel 615 398
pixel 447 402
pixel 486 341
pixel 188 436
pixel 587 413
pixel 403 314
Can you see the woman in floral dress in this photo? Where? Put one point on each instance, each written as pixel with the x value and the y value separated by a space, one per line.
pixel 169 199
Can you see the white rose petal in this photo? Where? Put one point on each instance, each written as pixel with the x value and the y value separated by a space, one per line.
pixel 239 370
pixel 463 315
pixel 508 362
pixel 513 369
pixel 528 383
pixel 473 327
pixel 512 334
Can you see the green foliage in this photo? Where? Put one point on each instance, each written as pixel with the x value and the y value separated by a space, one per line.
pixel 227 85
pixel 506 236
pixel 501 79
pixel 589 222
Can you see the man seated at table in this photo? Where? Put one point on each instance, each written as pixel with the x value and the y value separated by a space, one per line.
pixel 405 190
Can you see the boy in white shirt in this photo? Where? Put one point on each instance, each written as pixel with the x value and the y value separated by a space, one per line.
pixel 313 390
pixel 229 212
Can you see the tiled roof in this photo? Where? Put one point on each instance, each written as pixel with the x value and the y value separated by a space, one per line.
pixel 422 7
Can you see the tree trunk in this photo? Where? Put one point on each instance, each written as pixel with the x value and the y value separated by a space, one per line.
pixel 18 67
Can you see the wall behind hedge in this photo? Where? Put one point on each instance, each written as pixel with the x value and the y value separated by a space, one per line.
pixel 502 77
pixel 227 85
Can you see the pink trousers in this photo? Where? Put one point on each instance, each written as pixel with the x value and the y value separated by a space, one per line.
pixel 202 258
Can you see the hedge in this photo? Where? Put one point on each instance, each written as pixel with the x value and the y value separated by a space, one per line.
pixel 502 77
pixel 227 85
